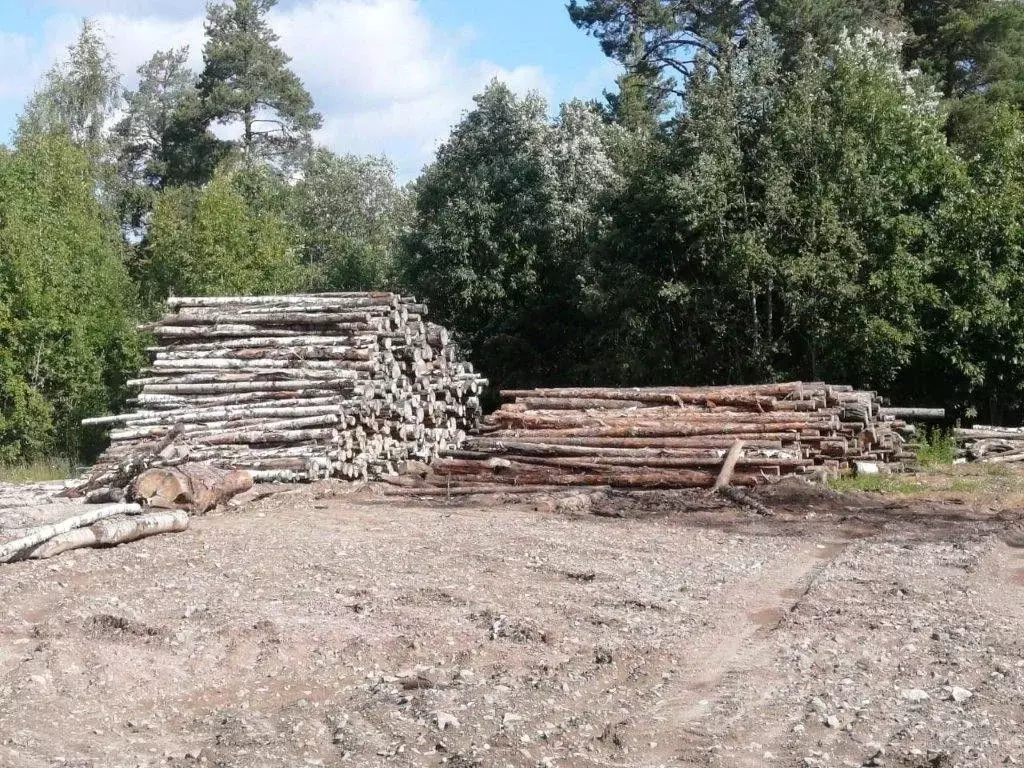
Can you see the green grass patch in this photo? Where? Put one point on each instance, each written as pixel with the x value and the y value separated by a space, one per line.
pixel 996 470
pixel 938 448
pixel 965 485
pixel 888 484
pixel 40 471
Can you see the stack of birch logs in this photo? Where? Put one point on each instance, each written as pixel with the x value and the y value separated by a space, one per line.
pixel 991 445
pixel 676 437
pixel 294 388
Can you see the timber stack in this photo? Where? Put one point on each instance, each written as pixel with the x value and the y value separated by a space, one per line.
pixel 294 388
pixel 677 437
pixel 991 445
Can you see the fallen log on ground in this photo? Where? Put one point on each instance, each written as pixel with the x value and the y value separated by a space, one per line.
pixel 191 487
pixel 88 516
pixel 110 533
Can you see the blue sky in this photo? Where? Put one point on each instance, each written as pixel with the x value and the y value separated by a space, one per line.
pixel 390 76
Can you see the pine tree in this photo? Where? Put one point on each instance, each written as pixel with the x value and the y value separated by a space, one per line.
pixel 246 78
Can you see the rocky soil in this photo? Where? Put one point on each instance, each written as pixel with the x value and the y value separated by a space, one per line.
pixel 323 628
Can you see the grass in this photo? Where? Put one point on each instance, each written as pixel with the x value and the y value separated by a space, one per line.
pixel 937 449
pixel 897 485
pixel 39 471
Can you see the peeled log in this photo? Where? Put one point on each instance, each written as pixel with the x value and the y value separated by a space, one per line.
pixel 729 465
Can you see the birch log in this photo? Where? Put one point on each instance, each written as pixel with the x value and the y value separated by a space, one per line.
pixel 37 536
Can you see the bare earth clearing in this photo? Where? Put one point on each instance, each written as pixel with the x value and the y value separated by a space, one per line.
pixel 320 627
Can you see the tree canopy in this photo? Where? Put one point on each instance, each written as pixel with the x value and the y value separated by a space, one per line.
pixel 246 80
pixel 773 189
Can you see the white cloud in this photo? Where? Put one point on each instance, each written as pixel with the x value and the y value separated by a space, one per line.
pixel 385 78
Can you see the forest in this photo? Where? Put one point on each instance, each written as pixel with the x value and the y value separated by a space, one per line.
pixel 773 190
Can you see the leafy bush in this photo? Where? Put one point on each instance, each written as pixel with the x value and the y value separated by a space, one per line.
pixel 937 448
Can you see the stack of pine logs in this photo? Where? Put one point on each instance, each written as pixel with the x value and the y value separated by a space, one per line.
pixel 294 388
pixel 991 445
pixel 676 437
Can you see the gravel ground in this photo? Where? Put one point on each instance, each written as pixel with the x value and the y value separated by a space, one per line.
pixel 319 627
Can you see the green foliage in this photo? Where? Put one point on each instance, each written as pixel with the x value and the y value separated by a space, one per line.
pixel 891 485
pixel 937 448
pixel 350 215
pixel 971 47
pixel 216 241
pixel 781 230
pixel 162 139
pixel 246 78
pixel 506 224
pixel 66 304
pixel 38 471
pixel 78 94
pixel 483 226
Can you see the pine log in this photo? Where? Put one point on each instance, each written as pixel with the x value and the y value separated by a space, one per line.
pixel 653 430
pixel 705 393
pixel 664 479
pixel 654 417
pixel 767 440
pixel 609 463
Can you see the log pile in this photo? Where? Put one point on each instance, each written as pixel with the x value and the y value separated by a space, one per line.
pixel 675 437
pixel 294 388
pixel 51 523
pixel 991 445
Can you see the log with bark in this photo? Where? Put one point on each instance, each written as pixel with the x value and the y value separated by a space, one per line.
pixel 297 387
pixel 669 437
pixel 88 515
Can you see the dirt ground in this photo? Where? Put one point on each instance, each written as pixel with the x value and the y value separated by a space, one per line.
pixel 323 628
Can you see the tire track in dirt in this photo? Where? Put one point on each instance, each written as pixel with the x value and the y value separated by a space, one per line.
pixel 732 664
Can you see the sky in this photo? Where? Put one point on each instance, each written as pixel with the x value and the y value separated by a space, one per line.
pixel 389 76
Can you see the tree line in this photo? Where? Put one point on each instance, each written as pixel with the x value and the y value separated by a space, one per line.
pixel 774 189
